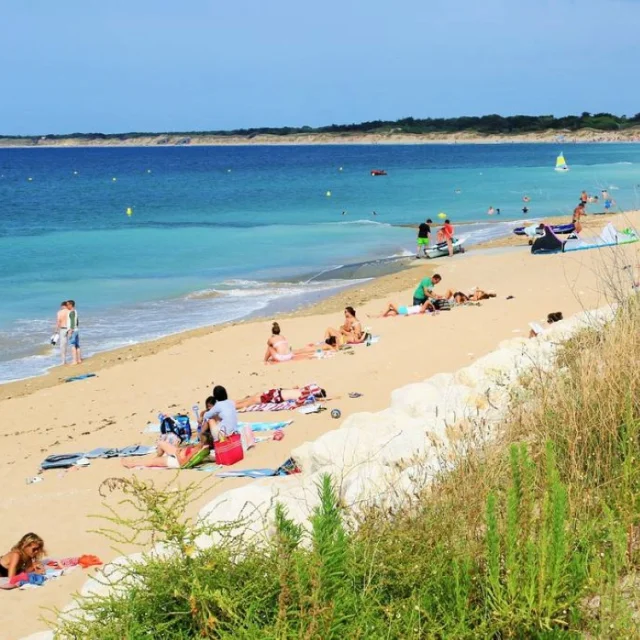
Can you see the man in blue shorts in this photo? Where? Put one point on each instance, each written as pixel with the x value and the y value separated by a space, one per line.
pixel 73 334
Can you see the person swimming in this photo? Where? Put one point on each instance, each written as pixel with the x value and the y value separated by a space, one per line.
pixel 278 349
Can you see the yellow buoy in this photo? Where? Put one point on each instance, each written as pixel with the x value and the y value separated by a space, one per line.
pixel 129 211
pixel 328 194
pixel 442 216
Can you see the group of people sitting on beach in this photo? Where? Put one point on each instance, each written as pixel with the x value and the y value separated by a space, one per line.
pixel 426 300
pixel 217 423
pixel 350 332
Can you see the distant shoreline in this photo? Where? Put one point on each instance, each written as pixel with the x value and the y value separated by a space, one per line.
pixel 631 135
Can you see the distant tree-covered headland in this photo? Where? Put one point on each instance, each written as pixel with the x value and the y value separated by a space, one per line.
pixel 482 125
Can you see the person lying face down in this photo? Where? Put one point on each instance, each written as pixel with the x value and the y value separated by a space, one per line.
pixel 298 394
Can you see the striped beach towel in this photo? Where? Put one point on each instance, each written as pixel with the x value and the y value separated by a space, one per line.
pixel 287 405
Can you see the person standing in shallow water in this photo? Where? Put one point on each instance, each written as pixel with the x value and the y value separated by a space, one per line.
pixel 73 335
pixel 61 329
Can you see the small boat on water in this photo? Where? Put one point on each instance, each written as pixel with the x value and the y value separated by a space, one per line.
pixel 439 250
pixel 561 163
pixel 378 172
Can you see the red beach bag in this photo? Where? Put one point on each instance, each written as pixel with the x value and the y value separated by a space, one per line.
pixel 229 451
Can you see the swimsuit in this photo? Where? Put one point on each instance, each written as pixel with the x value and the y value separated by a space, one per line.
pixel 409 311
pixel 282 357
pixel 4 572
pixel 273 395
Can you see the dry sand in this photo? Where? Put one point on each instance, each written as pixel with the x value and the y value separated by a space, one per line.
pixel 202 139
pixel 44 416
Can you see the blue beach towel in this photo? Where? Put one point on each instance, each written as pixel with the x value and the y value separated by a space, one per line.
pixel 84 376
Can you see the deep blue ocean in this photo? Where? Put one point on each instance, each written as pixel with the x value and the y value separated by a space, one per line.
pixel 219 233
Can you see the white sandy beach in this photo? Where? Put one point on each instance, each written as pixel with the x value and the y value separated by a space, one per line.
pixel 111 410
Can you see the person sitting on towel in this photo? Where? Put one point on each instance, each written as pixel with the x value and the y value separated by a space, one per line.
pixel 24 557
pixel 350 332
pixel 275 396
pixel 278 349
pixel 221 419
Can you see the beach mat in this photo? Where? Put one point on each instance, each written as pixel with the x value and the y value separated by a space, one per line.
pixel 287 468
pixel 270 406
pixel 255 426
pixel 84 376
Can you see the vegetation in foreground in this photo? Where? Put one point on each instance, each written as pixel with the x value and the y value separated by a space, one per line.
pixel 536 537
pixel 483 125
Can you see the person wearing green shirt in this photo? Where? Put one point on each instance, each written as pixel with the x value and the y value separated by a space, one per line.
pixel 73 323
pixel 425 288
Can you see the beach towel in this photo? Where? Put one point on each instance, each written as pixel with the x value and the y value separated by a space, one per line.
pixel 288 467
pixel 288 405
pixel 84 376
pixel 265 426
pixel 66 460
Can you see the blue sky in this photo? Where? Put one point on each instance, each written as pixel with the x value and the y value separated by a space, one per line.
pixel 138 65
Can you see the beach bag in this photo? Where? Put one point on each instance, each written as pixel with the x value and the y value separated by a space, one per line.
pixel 178 425
pixel 442 305
pixel 229 451
pixel 247 437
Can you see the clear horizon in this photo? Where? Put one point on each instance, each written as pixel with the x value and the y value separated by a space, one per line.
pixel 151 67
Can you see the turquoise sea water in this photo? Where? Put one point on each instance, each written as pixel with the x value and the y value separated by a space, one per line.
pixel 218 233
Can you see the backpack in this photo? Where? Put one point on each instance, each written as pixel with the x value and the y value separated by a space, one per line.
pixel 178 425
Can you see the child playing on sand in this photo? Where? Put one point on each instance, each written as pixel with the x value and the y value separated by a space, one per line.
pixel 24 557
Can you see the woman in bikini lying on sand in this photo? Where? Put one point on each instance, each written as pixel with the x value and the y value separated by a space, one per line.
pixel 475 295
pixel 404 310
pixel 299 395
pixel 24 557
pixel 350 332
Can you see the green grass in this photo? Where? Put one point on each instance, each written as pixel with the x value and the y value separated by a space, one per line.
pixel 533 537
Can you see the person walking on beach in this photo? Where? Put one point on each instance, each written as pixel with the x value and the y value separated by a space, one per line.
pixel 73 335
pixel 584 197
pixel 578 212
pixel 61 329
pixel 424 235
